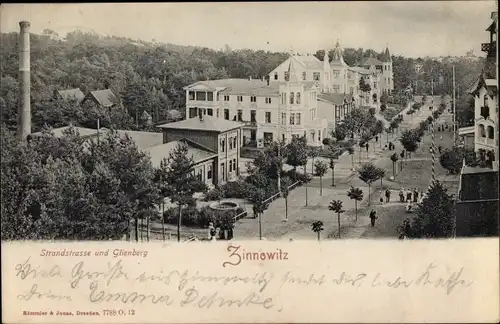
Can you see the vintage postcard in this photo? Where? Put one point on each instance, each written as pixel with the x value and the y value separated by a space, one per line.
pixel 250 162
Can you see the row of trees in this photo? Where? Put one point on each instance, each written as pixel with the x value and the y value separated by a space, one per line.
pixel 71 189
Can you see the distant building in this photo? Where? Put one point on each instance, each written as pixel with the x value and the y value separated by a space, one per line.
pixel 70 94
pixel 334 107
pixel 103 98
pixel 220 139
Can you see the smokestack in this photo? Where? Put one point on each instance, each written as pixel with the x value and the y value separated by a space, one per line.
pixel 24 112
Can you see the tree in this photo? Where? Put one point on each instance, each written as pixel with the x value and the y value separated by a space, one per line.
pixel 336 207
pixel 368 173
pixel 383 107
pixel 340 132
pixel 260 204
pixel 297 152
pixel 409 140
pixel 317 227
pixel 435 216
pixel 350 149
pixel 394 125
pixel 181 181
pixel 380 175
pixel 394 159
pixel 313 152
pixel 357 195
pixel 452 161
pixel 320 169
pixel 285 185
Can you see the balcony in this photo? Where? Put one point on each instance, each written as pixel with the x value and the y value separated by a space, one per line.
pixel 485 141
pixel 466 130
pixel 249 124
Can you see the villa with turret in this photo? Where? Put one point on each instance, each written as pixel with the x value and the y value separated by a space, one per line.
pixel 302 96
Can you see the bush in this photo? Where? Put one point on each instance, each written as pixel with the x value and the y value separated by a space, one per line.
pixel 372 111
pixel 234 189
pixel 383 107
pixel 416 105
pixel 194 217
pixel 298 176
pixel 327 141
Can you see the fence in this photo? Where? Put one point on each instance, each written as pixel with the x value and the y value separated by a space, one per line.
pixel 277 195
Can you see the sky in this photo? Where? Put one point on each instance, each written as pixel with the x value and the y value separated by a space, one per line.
pixel 409 28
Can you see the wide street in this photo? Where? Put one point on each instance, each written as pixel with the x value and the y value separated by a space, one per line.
pixel 416 174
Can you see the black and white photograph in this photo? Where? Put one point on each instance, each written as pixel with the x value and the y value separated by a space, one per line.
pixel 275 121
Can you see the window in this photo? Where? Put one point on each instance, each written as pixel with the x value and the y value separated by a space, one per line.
pixel 275 75
pixel 235 142
pixel 201 96
pixel 336 88
pixel 286 75
pixel 230 147
pixel 222 145
pixel 316 76
pixel 482 132
pixel 226 114
pixel 283 118
pixel 491 132
pixel 297 119
pixel 351 90
pixel 291 98
pixel 337 113
pixel 336 73
pixel 223 171
pixel 253 116
pixel 298 98
pixel 319 135
pixel 210 96
pixel 191 95
pixel 240 98
pixel 235 166
pixel 268 117
pixel 485 112
pixel 240 115
pixel 485 101
pixel 210 112
pixel 230 166
pixel 268 100
pixel 304 76
pixel 209 171
pixel 292 119
pixel 193 112
pixel 199 174
pixel 346 110
pixel 226 98
pixel 253 99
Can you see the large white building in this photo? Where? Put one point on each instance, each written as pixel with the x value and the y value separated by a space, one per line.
pixel 269 111
pixel 336 76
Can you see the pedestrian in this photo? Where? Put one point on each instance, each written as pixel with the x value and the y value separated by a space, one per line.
pixel 408 195
pixel 373 217
pixel 376 139
pixel 382 199
pixel 402 154
pixel 408 207
pixel 385 147
pixel 401 195
pixel 415 195
pixel 387 195
pixel 211 231
pixel 254 211
pixel 367 146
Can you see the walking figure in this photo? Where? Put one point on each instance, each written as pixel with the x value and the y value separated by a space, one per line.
pixel 376 139
pixel 387 195
pixel 440 148
pixel 381 199
pixel 373 217
pixel 415 195
pixel 367 146
pixel 401 195
pixel 402 154
pixel 408 195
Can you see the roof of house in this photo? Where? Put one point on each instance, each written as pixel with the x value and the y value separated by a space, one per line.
pixel 143 140
pixel 310 62
pixel 237 86
pixel 360 70
pixel 105 98
pixel 335 98
pixel 490 85
pixel 371 61
pixel 386 55
pixel 60 132
pixel 337 57
pixel 196 152
pixel 69 94
pixel 207 123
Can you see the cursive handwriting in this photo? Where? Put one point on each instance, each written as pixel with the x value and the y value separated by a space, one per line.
pixel 33 292
pixel 98 295
pixel 115 271
pixel 453 280
pixel 25 270
pixel 194 298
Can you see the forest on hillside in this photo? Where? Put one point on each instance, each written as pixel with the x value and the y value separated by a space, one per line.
pixel 149 77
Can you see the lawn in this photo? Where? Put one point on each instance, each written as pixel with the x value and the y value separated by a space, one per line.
pixel 392 111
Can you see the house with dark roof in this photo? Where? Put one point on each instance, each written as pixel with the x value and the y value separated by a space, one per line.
pixel 219 137
pixel 70 94
pixel 103 98
pixel 334 107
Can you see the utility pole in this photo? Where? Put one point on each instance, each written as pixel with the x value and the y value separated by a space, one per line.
pixel 433 146
pixel 454 111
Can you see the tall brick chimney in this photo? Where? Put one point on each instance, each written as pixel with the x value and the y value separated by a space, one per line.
pixel 24 112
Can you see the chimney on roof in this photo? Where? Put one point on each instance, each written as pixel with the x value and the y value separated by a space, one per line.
pixel 24 109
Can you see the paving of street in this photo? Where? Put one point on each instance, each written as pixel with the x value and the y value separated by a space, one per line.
pixel 415 174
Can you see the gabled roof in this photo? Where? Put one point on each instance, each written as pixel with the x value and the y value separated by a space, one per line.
pixel 237 86
pixel 71 94
pixel 195 151
pixel 105 98
pixel 490 85
pixel 207 123
pixel 337 57
pixel 310 62
pixel 143 140
pixel 82 131
pixel 360 70
pixel 371 61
